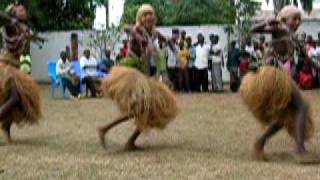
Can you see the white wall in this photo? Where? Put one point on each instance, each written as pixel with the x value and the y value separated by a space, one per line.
pixel 57 41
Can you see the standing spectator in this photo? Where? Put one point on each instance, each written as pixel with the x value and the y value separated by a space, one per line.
pixel 249 47
pixel 89 67
pixel 154 57
pixel 262 44
pixel 244 62
pixel 191 64
pixel 172 62
pixel 257 53
pixel 106 63
pixel 183 69
pixel 64 71
pixel 183 39
pixel 309 44
pixel 124 50
pixel 162 62
pixel 318 40
pixel 201 64
pixel 233 64
pixel 216 53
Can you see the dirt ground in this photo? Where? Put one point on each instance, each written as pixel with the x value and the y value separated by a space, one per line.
pixel 211 139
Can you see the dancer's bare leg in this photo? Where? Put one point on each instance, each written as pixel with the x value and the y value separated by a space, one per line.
pixel 6 126
pixel 273 128
pixel 131 141
pixel 302 155
pixel 102 130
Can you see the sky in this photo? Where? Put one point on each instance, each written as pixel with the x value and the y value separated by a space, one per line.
pixel 116 10
pixel 115 13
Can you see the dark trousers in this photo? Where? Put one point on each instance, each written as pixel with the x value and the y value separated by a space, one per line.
pixel 202 80
pixel 192 78
pixel 184 79
pixel 90 84
pixel 174 77
pixel 73 89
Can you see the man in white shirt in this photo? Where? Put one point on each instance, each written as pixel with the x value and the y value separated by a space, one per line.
pixel 64 71
pixel 89 68
pixel 201 64
pixel 216 54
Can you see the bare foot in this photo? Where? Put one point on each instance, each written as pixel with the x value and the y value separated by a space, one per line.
pixel 101 137
pixel 306 158
pixel 131 147
pixel 258 153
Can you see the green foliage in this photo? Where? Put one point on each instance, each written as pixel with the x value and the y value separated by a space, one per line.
pixel 49 15
pixel 183 12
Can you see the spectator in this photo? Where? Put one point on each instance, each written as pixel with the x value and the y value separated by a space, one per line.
pixel 183 39
pixel 154 57
pixel 249 47
pixel 172 62
pixel 161 62
pixel 318 40
pixel 257 53
pixel 309 46
pixel 124 50
pixel 216 53
pixel 64 71
pixel 183 69
pixel 233 64
pixel 262 44
pixel 89 67
pixel 191 64
pixel 244 62
pixel 106 63
pixel 201 64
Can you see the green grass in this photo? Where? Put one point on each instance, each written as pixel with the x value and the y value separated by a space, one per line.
pixel 211 139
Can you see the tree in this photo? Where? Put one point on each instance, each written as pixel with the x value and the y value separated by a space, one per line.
pixel 182 12
pixel 49 15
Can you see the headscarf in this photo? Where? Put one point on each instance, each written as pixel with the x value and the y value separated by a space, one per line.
pixel 145 8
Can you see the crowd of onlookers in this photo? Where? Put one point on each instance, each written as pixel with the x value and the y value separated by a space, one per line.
pixel 197 66
pixel 92 70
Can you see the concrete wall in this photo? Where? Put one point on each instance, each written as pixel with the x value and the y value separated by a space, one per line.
pixel 57 41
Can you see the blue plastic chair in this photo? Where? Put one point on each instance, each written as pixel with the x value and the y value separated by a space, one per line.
pixel 54 78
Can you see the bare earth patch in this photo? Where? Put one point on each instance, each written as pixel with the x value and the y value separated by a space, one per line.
pixel 212 138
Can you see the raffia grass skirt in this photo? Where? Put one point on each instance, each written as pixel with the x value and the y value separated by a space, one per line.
pixel 268 94
pixel 151 102
pixel 28 110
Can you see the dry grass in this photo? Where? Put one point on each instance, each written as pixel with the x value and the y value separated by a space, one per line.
pixel 211 139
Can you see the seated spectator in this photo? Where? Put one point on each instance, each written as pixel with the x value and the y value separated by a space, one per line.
pixel 67 75
pixel 89 67
pixel 106 63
